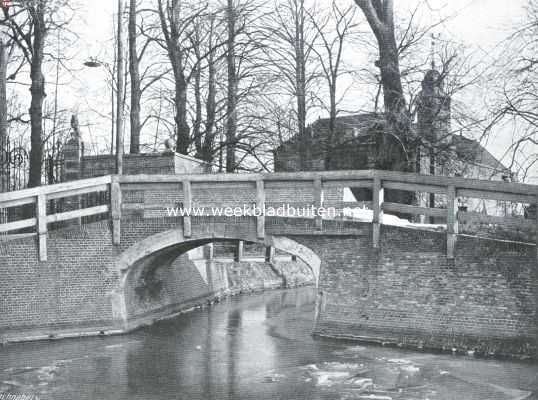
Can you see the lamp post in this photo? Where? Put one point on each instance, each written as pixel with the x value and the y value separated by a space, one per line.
pixel 94 63
pixel 120 79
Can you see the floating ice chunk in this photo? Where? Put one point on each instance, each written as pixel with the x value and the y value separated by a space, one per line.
pixel 12 383
pixel 399 361
pixel 113 346
pixel 373 397
pixel 329 378
pixel 410 368
pixel 362 383
pixel 340 366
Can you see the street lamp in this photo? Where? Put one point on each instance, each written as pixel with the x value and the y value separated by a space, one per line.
pixel 93 63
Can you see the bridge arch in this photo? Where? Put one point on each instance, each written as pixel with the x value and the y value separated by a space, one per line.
pixel 166 246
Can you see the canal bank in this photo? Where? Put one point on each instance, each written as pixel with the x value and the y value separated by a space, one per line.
pixel 190 281
pixel 250 347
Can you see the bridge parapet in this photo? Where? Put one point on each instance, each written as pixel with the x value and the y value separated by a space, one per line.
pixel 156 195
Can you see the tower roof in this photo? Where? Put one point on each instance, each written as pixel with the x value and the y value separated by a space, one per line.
pixel 432 80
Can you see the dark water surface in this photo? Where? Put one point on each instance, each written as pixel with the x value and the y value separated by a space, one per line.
pixel 251 347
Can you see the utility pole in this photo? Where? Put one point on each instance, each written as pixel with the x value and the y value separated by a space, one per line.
pixel 120 94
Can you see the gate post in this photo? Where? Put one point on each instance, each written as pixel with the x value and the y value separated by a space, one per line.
pixel 187 204
pixel 42 226
pixel 318 191
pixel 451 222
pixel 260 204
pixel 377 206
pixel 115 209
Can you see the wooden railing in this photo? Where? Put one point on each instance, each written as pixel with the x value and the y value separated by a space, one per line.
pixel 40 196
pixel 377 181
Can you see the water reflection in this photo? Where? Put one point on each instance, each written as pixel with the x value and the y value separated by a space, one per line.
pixel 252 347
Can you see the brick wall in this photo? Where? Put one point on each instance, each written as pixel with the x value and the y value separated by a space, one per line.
pixel 69 291
pixel 146 163
pixel 132 164
pixel 173 286
pixel 408 293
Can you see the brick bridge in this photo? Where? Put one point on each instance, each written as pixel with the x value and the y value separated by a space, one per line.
pixel 71 254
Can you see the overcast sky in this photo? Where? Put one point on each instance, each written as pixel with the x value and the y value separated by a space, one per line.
pixel 478 23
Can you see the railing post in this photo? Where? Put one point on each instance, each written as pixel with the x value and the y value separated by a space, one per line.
pixel 269 254
pixel 260 204
pixel 239 251
pixel 115 209
pixel 318 202
pixel 451 221
pixel 377 206
pixel 536 226
pixel 187 204
pixel 42 226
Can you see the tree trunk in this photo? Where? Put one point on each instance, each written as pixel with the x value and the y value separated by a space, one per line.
pixel 211 109
pixel 300 66
pixel 231 106
pixel 37 90
pixel 4 181
pixel 182 126
pixel 171 26
pixel 393 154
pixel 135 81
pixel 197 124
pixel 120 97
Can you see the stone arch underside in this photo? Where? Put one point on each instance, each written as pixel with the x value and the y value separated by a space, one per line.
pixel 165 247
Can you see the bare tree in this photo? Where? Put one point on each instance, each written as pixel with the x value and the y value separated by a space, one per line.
pixel 515 111
pixel 232 88
pixel 176 20
pixel 289 43
pixel 206 57
pixel 135 80
pixel 333 30
pixel 29 33
pixel 396 153
pixel 28 25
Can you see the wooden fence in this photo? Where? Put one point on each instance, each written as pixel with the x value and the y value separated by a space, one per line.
pixel 377 181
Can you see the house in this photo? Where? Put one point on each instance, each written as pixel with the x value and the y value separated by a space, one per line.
pixel 356 143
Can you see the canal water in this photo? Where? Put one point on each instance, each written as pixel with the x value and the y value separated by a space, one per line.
pixel 250 347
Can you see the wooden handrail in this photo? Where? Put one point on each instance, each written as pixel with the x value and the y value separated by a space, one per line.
pixel 39 196
pixel 427 182
pixel 378 181
pixel 56 189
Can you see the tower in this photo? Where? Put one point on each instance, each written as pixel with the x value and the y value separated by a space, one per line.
pixel 433 127
pixel 433 111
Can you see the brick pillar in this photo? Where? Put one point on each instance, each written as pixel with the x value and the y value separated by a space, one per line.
pixel 208 251
pixel 72 159
pixel 71 172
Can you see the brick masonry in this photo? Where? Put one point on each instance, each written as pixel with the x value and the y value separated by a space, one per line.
pixel 405 293
pixel 146 163
pixel 71 293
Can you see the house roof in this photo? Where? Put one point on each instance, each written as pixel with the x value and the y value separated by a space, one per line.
pixel 466 148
